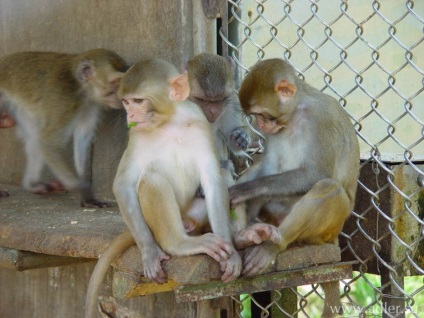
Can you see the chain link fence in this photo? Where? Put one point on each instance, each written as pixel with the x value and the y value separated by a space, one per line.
pixel 369 55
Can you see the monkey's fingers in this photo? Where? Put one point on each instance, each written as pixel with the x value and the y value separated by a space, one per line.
pixel 258 258
pixel 156 275
pixel 231 268
pixel 246 238
pixel 215 247
pixel 267 232
pixel 240 138
pixel 95 204
pixel 152 266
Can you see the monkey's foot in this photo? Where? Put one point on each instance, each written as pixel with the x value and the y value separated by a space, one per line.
pixel 44 188
pixel 95 204
pixel 231 267
pixel 256 234
pixel 259 257
pixel 3 194
pixel 152 256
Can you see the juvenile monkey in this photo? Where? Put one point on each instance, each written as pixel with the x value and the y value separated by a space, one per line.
pixel 308 176
pixel 56 97
pixel 169 153
pixel 211 79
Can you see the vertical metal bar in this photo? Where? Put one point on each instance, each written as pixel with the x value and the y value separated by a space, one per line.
pixel 393 302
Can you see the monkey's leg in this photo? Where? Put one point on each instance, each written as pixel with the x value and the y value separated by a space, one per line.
pixel 56 159
pixel 162 214
pixel 34 165
pixel 83 135
pixel 316 218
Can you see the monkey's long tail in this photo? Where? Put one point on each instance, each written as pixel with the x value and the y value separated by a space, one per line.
pixel 120 244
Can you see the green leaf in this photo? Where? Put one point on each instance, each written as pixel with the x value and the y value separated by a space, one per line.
pixel 132 124
pixel 233 215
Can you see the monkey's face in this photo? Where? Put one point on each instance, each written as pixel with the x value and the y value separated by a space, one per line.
pixel 142 114
pixel 106 87
pixel 268 122
pixel 211 108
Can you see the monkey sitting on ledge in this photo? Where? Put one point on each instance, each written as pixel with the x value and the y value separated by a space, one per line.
pixel 170 153
pixel 308 175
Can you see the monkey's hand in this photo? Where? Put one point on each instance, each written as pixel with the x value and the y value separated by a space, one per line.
pixel 231 267
pixel 240 139
pixel 151 257
pixel 215 246
pixel 259 257
pixel 256 234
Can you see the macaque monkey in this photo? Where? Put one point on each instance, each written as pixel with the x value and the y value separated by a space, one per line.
pixel 53 98
pixel 308 174
pixel 5 122
pixel 211 79
pixel 169 153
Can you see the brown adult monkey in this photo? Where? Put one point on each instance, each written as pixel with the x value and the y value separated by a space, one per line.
pixel 308 175
pixel 169 153
pixel 5 122
pixel 54 97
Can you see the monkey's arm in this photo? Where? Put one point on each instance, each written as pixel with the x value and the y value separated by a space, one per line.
pixel 286 184
pixel 217 203
pixel 125 190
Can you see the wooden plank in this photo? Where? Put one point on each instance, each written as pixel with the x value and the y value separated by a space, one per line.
pixel 55 224
pixel 22 260
pixel 270 281
pixel 201 269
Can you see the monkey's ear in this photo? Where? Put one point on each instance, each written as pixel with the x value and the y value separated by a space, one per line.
pixel 85 71
pixel 180 88
pixel 285 90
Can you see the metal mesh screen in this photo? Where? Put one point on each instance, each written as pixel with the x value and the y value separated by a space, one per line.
pixel 370 56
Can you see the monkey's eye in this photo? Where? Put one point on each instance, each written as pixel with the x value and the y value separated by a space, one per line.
pixel 124 101
pixel 138 100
